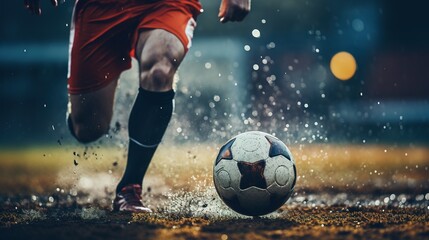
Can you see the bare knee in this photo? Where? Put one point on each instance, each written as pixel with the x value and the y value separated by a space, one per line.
pixel 158 77
pixel 88 130
pixel 160 54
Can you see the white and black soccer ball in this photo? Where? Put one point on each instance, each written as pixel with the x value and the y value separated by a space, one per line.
pixel 254 173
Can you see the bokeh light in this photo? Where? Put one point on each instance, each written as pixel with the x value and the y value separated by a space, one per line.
pixel 343 65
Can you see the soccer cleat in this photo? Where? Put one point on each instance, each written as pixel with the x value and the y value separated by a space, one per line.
pixel 129 200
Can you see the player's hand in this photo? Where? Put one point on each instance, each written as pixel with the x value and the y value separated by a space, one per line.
pixel 233 10
pixel 34 5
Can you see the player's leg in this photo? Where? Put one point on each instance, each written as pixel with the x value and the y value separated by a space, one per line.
pixel 99 52
pixel 90 113
pixel 165 35
pixel 159 53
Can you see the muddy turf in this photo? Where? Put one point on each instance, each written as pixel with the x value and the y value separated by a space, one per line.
pixel 342 192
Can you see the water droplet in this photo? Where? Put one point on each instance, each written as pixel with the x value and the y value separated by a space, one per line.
pixel 256 33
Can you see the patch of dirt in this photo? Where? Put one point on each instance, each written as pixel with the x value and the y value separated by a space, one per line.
pixel 337 222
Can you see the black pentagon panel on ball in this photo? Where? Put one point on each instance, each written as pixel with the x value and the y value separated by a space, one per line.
pixel 252 174
pixel 225 152
pixel 277 148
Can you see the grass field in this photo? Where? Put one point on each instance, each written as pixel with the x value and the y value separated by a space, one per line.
pixel 342 191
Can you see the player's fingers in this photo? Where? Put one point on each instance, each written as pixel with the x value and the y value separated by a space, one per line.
pixel 237 12
pixel 37 10
pixel 227 16
pixel 234 14
pixel 230 12
pixel 240 15
pixel 54 2
pixel 222 11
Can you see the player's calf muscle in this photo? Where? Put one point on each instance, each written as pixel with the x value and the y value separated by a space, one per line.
pixel 89 131
pixel 89 124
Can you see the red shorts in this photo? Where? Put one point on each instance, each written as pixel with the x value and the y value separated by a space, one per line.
pixel 104 34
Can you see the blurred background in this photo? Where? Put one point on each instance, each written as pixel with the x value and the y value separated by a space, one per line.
pixel 270 73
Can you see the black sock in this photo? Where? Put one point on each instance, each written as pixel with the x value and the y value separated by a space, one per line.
pixel 148 121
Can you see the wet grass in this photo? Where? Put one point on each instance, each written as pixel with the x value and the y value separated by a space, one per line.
pixel 351 168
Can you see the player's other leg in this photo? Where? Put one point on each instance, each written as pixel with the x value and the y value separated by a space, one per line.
pixel 99 53
pixel 159 53
pixel 90 113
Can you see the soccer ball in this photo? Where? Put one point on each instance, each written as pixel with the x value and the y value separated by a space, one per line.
pixel 254 173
